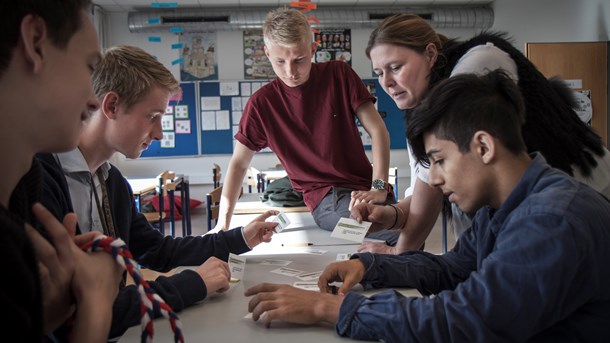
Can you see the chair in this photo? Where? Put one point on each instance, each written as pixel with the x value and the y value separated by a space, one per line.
pixel 165 187
pixel 253 179
pixel 212 203
pixel 216 175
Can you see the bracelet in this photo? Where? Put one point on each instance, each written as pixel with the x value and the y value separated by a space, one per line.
pixel 395 218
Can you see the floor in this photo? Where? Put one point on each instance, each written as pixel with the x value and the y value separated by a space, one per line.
pixel 199 226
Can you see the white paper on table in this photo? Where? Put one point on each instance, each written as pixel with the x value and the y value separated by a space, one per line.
pixel 310 276
pixel 307 285
pixel 271 262
pixel 287 271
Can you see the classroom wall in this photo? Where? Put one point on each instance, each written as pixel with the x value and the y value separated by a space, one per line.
pixel 525 20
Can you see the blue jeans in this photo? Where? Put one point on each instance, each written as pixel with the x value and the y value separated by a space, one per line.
pixel 335 205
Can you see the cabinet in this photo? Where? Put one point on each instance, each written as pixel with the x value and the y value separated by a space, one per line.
pixel 586 65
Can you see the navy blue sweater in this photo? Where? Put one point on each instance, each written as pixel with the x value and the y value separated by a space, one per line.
pixel 149 247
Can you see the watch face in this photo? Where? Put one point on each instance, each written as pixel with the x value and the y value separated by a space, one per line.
pixel 378 184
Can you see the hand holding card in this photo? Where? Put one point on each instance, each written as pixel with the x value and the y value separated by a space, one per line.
pixel 282 222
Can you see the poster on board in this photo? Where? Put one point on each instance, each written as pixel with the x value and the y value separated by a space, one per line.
pixel 200 61
pixel 335 45
pixel 256 63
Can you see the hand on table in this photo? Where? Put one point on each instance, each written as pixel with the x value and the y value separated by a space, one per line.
pixel 377 248
pixel 283 302
pixel 349 272
pixel 215 274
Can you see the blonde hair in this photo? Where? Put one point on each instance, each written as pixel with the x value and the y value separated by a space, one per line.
pixel 407 30
pixel 286 27
pixel 132 73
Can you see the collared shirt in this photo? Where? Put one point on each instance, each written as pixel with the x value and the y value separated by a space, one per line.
pixel 534 269
pixel 79 180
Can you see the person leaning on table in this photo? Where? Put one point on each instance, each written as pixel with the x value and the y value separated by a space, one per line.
pixel 532 267
pixel 307 116
pixel 133 89
pixel 409 58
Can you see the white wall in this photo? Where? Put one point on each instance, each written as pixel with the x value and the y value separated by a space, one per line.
pixel 524 20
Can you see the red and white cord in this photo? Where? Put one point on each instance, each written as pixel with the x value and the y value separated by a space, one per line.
pixel 148 296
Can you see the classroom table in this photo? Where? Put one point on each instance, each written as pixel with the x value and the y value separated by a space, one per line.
pixel 250 203
pixel 222 316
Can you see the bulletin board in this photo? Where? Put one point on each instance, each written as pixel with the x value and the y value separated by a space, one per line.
pixel 392 116
pixel 180 133
pixel 214 110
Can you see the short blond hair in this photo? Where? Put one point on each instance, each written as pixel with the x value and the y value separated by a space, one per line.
pixel 286 27
pixel 132 73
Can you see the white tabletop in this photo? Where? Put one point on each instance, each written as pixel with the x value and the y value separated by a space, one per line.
pixel 221 317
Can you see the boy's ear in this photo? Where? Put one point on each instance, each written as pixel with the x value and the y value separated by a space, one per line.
pixel 110 105
pixel 34 40
pixel 484 146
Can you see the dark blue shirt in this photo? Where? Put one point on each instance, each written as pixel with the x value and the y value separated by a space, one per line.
pixel 536 269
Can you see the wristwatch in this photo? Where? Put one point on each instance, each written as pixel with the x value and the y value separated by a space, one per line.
pixel 379 184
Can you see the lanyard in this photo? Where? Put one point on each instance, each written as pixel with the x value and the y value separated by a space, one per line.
pixel 103 209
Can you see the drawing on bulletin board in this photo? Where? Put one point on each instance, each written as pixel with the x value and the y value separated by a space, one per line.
pixel 181 111
pixel 334 45
pixel 257 65
pixel 199 57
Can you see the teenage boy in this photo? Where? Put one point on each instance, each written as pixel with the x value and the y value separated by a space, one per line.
pixel 307 116
pixel 47 52
pixel 133 89
pixel 533 266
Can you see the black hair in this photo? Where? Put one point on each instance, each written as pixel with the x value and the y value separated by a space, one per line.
pixel 458 107
pixel 551 127
pixel 62 17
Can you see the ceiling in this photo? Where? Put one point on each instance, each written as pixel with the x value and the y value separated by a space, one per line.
pixel 133 5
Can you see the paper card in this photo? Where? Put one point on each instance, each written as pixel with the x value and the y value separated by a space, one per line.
pixel 287 271
pixel 237 266
pixel 282 222
pixel 270 262
pixel 307 285
pixel 310 276
pixel 344 256
pixel 351 230
pixel 315 251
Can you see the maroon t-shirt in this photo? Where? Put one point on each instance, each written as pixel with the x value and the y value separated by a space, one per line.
pixel 312 130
